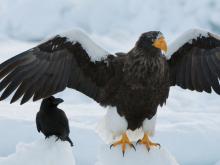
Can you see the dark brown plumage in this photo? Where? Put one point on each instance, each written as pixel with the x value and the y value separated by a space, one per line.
pixel 135 82
pixel 196 65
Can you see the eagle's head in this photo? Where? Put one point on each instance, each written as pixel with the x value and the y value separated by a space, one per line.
pixel 152 40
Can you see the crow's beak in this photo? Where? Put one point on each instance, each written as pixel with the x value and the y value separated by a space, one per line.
pixel 57 101
pixel 161 44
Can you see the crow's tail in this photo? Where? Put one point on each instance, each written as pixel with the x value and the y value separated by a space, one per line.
pixel 69 140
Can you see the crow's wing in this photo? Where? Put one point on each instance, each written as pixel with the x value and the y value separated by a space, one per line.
pixel 194 60
pixel 68 60
pixel 63 123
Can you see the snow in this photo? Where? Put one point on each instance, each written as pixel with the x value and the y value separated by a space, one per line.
pixel 190 135
pixel 218 163
pixel 186 37
pixel 187 126
pixel 141 156
pixel 44 151
pixel 119 22
pixel 95 52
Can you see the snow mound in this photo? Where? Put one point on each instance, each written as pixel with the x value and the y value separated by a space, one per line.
pixel 41 152
pixel 140 157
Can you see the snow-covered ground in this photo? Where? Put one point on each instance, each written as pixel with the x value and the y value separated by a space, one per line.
pixel 41 152
pixel 192 137
pixel 188 126
pixel 141 156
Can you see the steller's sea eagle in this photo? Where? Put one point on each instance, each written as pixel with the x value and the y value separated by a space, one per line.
pixel 133 83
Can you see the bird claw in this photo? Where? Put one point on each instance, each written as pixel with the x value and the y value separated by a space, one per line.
pixel 123 153
pixel 111 146
pixel 158 144
pixel 146 141
pixel 123 143
pixel 132 146
pixel 138 142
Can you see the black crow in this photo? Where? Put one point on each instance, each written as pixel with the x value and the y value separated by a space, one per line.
pixel 51 120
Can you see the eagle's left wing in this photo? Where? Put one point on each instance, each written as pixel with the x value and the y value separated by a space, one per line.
pixel 194 60
pixel 70 60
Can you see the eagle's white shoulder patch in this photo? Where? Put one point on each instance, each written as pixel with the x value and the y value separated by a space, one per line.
pixel 186 37
pixel 95 52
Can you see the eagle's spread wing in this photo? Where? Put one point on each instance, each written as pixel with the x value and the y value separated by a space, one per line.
pixel 68 60
pixel 195 61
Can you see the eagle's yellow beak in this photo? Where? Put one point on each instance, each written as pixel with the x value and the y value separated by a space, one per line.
pixel 161 44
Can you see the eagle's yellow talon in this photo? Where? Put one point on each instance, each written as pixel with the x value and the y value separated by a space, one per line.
pixel 148 143
pixel 124 140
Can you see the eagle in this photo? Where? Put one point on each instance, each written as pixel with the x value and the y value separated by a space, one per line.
pixel 133 84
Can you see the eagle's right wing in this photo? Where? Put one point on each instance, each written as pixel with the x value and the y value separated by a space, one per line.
pixel 68 60
pixel 195 61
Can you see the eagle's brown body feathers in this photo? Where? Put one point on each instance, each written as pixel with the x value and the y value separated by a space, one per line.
pixel 140 73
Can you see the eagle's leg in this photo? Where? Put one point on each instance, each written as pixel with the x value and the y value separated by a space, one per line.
pixel 147 142
pixel 124 140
